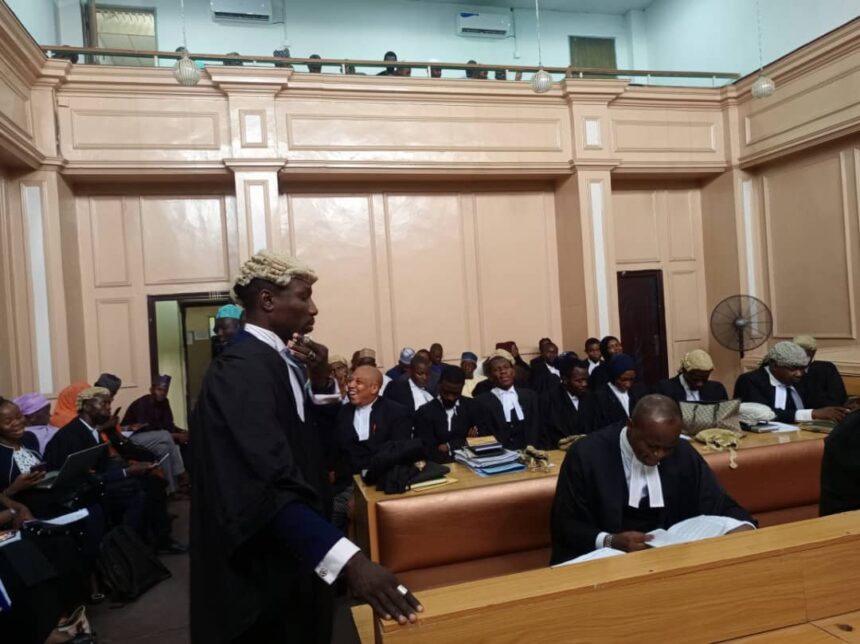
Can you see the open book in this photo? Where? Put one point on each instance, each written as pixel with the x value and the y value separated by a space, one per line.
pixel 704 526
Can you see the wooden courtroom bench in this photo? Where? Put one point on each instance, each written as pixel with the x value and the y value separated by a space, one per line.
pixel 478 528
pixel 734 586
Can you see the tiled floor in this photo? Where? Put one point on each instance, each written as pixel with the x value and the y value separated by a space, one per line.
pixel 161 615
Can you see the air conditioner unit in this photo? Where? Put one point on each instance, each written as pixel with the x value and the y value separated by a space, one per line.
pixel 256 11
pixel 484 24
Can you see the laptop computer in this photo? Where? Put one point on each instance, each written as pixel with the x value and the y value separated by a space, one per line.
pixel 74 469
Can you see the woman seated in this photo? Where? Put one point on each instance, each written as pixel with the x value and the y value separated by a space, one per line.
pixel 616 399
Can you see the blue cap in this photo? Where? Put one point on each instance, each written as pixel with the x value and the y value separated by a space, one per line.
pixel 229 311
pixel 620 363
pixel 406 355
pixel 468 355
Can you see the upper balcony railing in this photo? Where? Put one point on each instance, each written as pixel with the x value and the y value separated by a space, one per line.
pixel 428 69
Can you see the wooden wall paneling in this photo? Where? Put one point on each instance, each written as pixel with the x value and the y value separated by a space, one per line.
pixel 334 234
pixel 427 264
pixel 388 352
pixel 471 277
pixel 115 328
pixel 513 245
pixel 635 227
pixel 809 274
pixel 184 239
pixel 72 281
pixel 8 335
pixel 572 262
pixel 109 242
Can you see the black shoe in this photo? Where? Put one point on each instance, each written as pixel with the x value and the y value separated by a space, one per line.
pixel 171 547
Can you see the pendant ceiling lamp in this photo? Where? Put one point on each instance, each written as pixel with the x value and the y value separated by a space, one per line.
pixel 763 86
pixel 542 80
pixel 185 70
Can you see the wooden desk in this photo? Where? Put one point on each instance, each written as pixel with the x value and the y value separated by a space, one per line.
pixel 366 497
pixel 738 585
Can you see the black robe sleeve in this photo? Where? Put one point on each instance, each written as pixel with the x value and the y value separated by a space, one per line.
pixel 840 468
pixel 573 525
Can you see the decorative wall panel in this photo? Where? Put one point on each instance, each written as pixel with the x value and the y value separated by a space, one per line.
pixel 109 242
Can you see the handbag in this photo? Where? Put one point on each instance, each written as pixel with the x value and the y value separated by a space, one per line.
pixel 698 416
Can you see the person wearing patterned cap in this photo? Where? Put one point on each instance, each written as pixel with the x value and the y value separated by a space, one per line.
pixel 822 381
pixel 693 381
pixel 152 411
pixel 263 554
pixel 469 365
pixel 777 383
pixel 402 367
pixel 228 322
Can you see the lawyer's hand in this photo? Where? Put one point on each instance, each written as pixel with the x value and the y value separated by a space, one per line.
pixel 378 587
pixel 443 448
pixel 630 541
pixel 836 414
pixel 313 355
pixel 473 431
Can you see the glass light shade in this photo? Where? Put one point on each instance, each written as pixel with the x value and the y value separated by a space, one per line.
pixel 186 71
pixel 763 87
pixel 541 81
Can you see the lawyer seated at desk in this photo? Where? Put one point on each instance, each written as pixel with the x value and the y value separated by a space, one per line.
pixel 444 424
pixel 693 382
pixel 510 413
pixel 611 492
pixel 778 384
pixel 821 381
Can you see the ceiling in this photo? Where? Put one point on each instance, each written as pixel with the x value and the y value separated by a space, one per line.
pixel 579 6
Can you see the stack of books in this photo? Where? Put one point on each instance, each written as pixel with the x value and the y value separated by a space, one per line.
pixel 487 457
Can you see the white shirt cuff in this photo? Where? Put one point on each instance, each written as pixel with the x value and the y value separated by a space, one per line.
pixel 598 543
pixel 323 399
pixel 803 415
pixel 332 564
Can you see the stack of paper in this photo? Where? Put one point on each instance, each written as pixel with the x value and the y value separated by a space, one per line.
pixel 486 465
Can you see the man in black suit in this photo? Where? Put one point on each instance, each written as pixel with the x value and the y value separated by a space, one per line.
pixel 133 496
pixel 543 371
pixel 611 492
pixel 511 414
pixel 568 409
pixel 822 382
pixel 411 390
pixel 840 468
pixel 363 425
pixel 778 384
pixel 444 424
pixel 263 554
pixel 693 383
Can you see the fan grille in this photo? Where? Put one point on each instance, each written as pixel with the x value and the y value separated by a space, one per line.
pixel 741 323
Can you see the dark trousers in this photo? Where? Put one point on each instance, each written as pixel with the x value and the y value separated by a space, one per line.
pixel 305 618
pixel 140 504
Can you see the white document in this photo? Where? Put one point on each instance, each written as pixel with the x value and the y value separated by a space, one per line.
pixel 600 553
pixel 65 519
pixel 704 526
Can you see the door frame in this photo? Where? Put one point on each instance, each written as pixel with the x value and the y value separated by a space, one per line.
pixel 661 309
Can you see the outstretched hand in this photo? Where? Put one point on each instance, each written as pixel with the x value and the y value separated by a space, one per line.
pixel 381 589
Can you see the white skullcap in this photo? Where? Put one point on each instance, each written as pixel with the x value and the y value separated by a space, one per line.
pixel 806 341
pixel 501 353
pixel 787 354
pixel 273 267
pixel 697 360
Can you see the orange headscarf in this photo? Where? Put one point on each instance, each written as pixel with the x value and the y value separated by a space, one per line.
pixel 67 404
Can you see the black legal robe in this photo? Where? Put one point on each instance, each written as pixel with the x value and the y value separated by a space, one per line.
pixel 400 392
pixel 713 391
pixel 561 419
pixel 609 410
pixel 516 434
pixel 253 455
pixel 591 494
pixel 431 426
pixel 598 377
pixel 754 386
pixel 840 468
pixel 541 379
pixel 823 385
pixel 389 421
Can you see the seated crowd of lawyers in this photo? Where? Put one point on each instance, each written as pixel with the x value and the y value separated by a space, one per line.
pixel 137 465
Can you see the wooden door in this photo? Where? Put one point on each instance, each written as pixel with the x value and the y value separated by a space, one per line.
pixel 643 323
